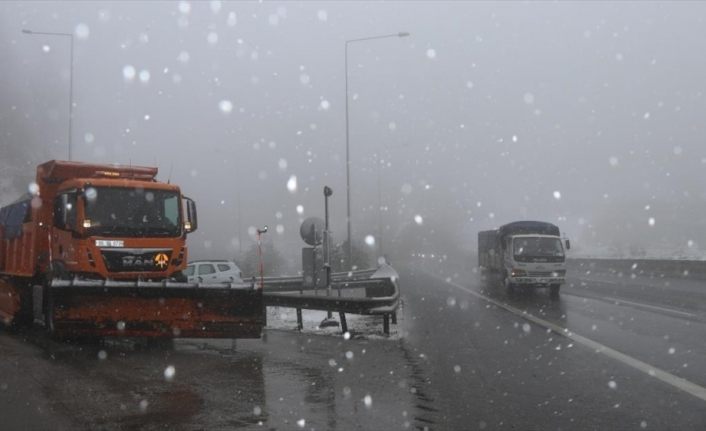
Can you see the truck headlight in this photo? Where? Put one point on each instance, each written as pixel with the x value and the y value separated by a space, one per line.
pixel 518 272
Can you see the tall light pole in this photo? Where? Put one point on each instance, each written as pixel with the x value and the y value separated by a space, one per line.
pixel 348 158
pixel 71 74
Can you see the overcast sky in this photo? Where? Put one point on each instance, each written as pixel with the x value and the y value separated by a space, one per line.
pixel 587 114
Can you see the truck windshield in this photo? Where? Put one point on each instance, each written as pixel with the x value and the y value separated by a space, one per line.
pixel 538 247
pixel 131 212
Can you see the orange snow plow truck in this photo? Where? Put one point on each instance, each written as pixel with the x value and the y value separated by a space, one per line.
pixel 98 251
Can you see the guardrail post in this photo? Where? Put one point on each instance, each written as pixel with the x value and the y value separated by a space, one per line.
pixel 300 323
pixel 394 318
pixel 344 324
pixel 386 324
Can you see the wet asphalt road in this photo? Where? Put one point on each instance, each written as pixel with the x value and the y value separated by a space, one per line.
pixel 493 369
pixel 285 381
pixel 468 359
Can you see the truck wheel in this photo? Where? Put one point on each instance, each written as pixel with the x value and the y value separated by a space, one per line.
pixel 509 286
pixel 25 315
pixel 554 290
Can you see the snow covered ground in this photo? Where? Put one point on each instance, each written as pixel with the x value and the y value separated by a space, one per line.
pixel 368 327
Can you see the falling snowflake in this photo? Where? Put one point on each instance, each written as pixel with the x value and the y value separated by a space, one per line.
pixel 232 19
pixel 169 373
pixel 226 106
pixel 292 184
pixel 82 31
pixel 184 7
pixel 129 72
pixel 145 76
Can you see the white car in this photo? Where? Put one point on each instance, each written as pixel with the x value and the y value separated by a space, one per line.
pixel 213 271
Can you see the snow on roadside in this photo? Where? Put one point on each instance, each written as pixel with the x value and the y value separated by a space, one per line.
pixel 359 326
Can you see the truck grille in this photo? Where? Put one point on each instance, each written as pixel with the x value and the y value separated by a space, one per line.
pixel 136 260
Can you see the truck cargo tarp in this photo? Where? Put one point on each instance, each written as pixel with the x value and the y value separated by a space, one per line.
pixel 12 217
pixel 528 227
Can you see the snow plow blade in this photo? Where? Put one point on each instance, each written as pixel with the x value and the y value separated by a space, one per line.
pixel 95 308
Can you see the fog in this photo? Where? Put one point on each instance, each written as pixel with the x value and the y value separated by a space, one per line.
pixel 586 114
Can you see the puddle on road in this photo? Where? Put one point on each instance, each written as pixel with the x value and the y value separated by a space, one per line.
pixel 287 380
pixel 327 382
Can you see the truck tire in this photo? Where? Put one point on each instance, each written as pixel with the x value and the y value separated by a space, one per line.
pixel 58 271
pixel 25 315
pixel 554 290
pixel 509 286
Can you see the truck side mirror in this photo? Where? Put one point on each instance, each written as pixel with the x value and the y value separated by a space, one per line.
pixel 568 244
pixel 192 221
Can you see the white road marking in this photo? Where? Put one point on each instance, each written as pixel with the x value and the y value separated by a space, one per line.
pixel 636 304
pixel 672 380
pixel 654 307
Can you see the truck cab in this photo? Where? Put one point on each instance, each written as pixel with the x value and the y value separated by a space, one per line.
pixel 103 228
pixel 536 260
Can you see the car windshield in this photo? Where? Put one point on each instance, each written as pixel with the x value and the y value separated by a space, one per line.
pixel 120 212
pixel 445 215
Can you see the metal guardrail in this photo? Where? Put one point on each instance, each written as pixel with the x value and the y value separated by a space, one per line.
pixel 380 287
pixel 295 283
pixel 692 269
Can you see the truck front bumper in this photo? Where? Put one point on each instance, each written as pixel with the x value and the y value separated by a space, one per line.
pixel 537 281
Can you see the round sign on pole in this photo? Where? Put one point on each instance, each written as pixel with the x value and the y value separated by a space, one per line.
pixel 312 230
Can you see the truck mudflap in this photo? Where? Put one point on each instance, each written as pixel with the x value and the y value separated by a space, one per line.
pixel 96 308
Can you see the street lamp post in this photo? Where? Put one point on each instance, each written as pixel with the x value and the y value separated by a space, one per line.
pixel 348 159
pixel 71 74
